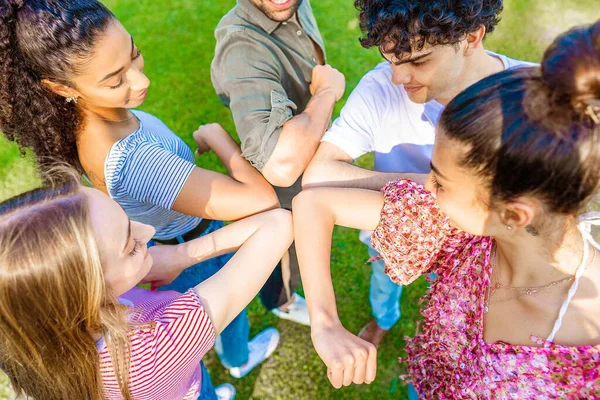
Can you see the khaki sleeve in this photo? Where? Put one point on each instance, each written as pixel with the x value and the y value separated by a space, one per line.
pixel 247 76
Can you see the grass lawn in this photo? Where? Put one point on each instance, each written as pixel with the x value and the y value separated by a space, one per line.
pixel 176 38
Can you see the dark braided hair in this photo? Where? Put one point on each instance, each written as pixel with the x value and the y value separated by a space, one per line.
pixel 402 27
pixel 45 39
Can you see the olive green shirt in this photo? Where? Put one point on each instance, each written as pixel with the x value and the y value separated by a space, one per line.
pixel 262 71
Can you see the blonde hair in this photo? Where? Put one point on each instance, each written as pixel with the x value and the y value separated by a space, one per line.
pixel 53 298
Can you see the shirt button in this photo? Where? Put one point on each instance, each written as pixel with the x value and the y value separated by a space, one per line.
pixel 299 33
pixel 284 23
pixel 314 59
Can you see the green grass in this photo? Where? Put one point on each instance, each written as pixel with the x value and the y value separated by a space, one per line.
pixel 176 38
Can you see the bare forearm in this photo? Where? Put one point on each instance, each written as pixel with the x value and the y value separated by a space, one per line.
pixel 299 140
pixel 315 213
pixel 266 237
pixel 170 260
pixel 336 173
pixel 228 151
pixel 313 227
pixel 222 241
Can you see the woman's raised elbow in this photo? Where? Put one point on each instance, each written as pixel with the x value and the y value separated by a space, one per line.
pixel 282 220
pixel 307 199
pixel 269 199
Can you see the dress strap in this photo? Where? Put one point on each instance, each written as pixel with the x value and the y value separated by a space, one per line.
pixel 585 228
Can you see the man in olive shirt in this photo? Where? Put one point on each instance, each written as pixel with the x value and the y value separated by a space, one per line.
pixel 269 69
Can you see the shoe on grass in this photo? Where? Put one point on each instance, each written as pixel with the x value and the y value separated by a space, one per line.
pixel 260 348
pixel 296 311
pixel 226 391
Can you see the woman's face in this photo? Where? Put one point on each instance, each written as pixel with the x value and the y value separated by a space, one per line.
pixel 113 76
pixel 460 193
pixel 121 242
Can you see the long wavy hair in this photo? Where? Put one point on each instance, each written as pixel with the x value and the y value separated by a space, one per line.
pixel 53 297
pixel 45 39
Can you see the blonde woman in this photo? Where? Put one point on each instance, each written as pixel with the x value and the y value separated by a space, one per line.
pixel 71 78
pixel 73 324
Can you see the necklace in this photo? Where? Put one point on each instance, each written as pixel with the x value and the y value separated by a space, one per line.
pixel 528 290
pixel 113 120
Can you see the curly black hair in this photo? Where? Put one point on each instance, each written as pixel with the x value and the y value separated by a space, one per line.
pixel 402 27
pixel 45 39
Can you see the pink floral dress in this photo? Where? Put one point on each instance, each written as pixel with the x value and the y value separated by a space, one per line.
pixel 448 358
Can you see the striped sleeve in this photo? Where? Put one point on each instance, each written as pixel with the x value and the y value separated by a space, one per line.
pixel 153 174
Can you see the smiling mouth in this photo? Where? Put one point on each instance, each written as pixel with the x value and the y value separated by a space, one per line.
pixel 281 4
pixel 412 89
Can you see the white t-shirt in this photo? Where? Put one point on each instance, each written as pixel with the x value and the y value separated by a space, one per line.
pixel 379 118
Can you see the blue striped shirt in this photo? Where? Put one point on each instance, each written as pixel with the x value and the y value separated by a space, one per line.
pixel 145 172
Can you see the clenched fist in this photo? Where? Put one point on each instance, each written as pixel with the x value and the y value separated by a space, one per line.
pixel 327 78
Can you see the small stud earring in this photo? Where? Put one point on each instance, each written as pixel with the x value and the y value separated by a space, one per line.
pixel 72 99
pixel 509 227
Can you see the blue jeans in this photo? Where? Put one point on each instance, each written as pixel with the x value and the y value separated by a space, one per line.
pixel 384 294
pixel 207 391
pixel 412 393
pixel 232 344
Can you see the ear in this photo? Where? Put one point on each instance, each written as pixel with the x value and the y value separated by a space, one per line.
pixel 60 89
pixel 474 41
pixel 518 213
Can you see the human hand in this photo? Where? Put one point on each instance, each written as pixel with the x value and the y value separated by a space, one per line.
pixel 203 134
pixel 348 358
pixel 165 267
pixel 327 78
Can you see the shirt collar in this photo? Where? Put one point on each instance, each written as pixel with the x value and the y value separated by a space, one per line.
pixel 257 16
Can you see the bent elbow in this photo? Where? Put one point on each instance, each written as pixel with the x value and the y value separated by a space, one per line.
pixel 270 199
pixel 306 199
pixel 259 200
pixel 310 178
pixel 283 220
pixel 281 174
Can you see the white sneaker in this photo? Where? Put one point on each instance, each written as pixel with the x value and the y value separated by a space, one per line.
pixel 225 391
pixel 260 348
pixel 296 311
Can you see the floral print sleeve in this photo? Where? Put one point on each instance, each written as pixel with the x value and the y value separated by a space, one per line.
pixel 412 231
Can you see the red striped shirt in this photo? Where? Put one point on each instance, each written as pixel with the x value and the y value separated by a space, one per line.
pixel 166 351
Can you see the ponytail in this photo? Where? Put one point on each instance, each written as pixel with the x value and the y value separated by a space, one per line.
pixel 44 39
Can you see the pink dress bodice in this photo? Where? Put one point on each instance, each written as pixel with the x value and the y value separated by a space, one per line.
pixel 448 358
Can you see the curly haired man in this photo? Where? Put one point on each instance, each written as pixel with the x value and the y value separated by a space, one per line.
pixel 433 51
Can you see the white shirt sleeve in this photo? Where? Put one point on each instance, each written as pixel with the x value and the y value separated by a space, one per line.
pixel 353 131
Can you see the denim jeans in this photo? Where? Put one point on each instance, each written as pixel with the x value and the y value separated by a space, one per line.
pixel 207 391
pixel 384 294
pixel 412 393
pixel 232 344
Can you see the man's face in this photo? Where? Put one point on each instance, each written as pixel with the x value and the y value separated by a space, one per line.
pixel 435 72
pixel 277 10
